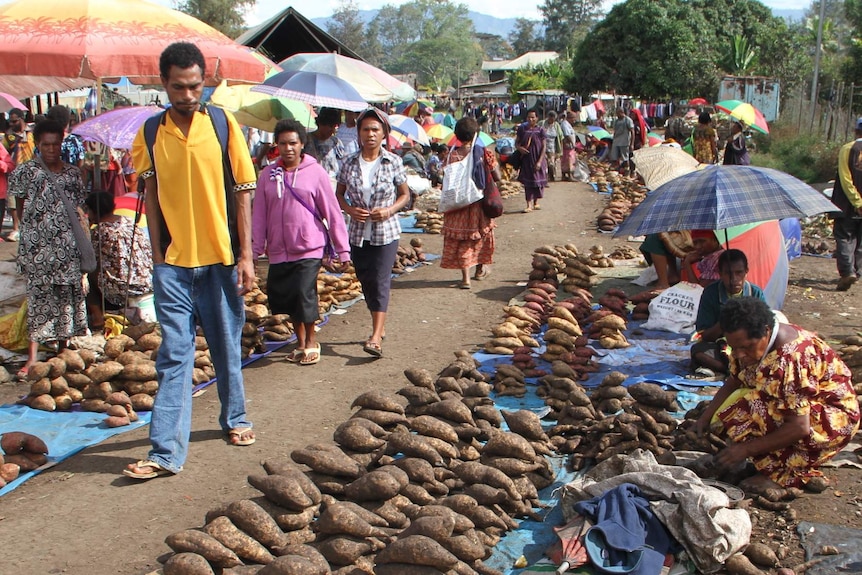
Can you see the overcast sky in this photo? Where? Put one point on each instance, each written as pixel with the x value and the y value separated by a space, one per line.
pixel 500 8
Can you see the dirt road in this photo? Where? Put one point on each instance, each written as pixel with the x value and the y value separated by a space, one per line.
pixel 83 517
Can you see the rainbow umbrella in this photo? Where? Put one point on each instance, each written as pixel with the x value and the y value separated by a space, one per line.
pixel 408 127
pixel 746 113
pixel 482 140
pixel 107 39
pixel 439 132
pixel 654 139
pixel 601 134
pixel 127 205
pixel 412 107
pixel 261 111
pixel 438 117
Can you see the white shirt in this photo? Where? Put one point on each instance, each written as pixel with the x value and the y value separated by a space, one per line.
pixel 368 171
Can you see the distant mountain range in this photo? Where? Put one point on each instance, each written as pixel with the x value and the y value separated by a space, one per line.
pixel 485 24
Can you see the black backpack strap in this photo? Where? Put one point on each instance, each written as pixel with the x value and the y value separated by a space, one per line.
pixel 220 125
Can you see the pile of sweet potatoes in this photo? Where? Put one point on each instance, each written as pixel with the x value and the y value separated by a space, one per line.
pixel 22 452
pixel 422 481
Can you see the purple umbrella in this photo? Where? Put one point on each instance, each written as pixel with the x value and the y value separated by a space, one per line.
pixel 117 128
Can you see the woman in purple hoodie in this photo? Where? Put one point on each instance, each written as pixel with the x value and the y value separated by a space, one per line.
pixel 297 222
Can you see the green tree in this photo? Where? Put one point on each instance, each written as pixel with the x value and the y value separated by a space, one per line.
pixel 740 57
pixel 346 26
pixel 226 16
pixel 568 21
pixel 494 47
pixel 554 75
pixel 371 49
pixel 524 37
pixel 660 48
pixel 434 38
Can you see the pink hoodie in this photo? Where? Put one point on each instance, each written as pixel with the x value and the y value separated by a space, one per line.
pixel 283 228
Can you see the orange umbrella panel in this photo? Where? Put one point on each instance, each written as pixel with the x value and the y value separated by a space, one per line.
pixel 109 39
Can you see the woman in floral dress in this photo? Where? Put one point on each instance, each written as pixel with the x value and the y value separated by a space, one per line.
pixel 47 253
pixel 788 405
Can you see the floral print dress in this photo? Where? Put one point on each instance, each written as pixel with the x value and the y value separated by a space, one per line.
pixel 47 253
pixel 803 377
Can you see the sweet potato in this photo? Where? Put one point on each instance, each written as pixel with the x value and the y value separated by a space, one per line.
pixel 77 380
pixel 412 446
pixel 451 409
pixel 761 555
pixel 344 550
pixel 281 490
pixel 339 519
pixel 510 466
pixel 246 547
pixel 380 417
pixel 298 520
pixel 377 399
pixel 118 421
pixel 417 469
pixel 467 547
pixel 38 370
pixel 525 423
pixel 435 527
pixel 254 520
pixel 117 411
pixel 288 469
pixel 187 564
pixel 142 402
pixel 141 387
pixel 329 484
pixel 151 341
pixel 329 460
pixel 193 541
pixel 58 367
pixel 740 565
pixel 388 511
pixel 407 569
pixel 368 515
pixel 104 371
pixel 72 359
pixel 42 402
pixel 355 437
pixel 482 517
pixel 292 565
pixel 94 404
pixel 9 471
pixel 474 472
pixel 139 371
pixel 40 387
pixel 417 550
pixel 374 486
pixel 507 444
pixel 420 377
pixel 418 396
pixel 652 395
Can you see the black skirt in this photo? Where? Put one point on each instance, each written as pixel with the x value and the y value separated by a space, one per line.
pixel 292 289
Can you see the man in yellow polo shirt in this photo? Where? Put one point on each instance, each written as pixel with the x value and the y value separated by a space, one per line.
pixel 202 258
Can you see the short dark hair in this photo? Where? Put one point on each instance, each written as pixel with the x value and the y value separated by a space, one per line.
pixel 704 118
pixel 17 112
pixel 748 313
pixel 465 129
pixel 730 257
pixel 183 55
pixel 289 126
pixel 552 115
pixel 59 113
pixel 48 126
pixel 328 117
pixel 100 203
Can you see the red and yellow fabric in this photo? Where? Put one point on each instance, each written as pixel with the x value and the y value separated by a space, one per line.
pixel 803 377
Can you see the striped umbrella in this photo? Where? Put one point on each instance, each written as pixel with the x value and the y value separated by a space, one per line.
pixel 439 132
pixel 746 113
pixel 412 107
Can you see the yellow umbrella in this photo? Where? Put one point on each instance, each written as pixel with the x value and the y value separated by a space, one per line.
pixel 259 110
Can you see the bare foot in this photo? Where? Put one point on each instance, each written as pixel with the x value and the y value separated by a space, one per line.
pixel 759 485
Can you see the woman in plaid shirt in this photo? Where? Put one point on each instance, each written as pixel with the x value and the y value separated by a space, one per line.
pixel 372 188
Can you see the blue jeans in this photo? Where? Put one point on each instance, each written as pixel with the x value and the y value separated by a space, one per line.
pixel 206 295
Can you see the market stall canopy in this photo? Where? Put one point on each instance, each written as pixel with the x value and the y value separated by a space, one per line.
pixel 28 86
pixel 288 33
pixel 371 82
pixel 107 39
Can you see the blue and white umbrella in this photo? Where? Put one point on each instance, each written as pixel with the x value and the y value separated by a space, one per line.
pixel 719 197
pixel 313 88
pixel 408 127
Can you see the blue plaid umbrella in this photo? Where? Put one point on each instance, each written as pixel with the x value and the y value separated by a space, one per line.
pixel 720 197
